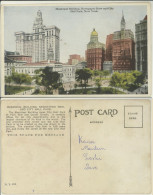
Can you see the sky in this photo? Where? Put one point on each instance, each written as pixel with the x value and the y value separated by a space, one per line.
pixel 75 27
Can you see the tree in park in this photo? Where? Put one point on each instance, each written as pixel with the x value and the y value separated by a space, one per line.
pixel 127 80
pixel 139 78
pixel 95 73
pixel 21 78
pixel 83 75
pixel 116 80
pixel 79 76
pixel 50 79
pixel 101 74
pixel 8 79
pixel 98 84
pixel 37 77
pixel 105 73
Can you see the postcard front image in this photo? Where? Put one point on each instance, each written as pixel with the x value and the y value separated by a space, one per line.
pixel 76 50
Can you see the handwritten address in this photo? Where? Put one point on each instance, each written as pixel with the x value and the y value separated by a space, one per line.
pixel 91 152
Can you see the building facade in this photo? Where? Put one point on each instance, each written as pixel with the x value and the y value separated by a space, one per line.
pixel 95 53
pixel 10 65
pixel 30 68
pixel 68 73
pixel 39 43
pixel 123 49
pixel 109 47
pixel 74 59
pixel 107 65
pixel 24 58
pixel 141 46
pixel 81 65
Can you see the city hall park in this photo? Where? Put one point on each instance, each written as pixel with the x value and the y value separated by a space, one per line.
pixel 102 82
pixel 87 81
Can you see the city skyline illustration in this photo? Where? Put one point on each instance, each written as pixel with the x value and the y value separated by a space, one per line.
pixel 75 27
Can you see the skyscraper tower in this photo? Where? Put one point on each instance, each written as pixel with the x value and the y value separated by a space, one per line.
pixel 38 23
pixel 38 38
pixel 123 49
pixel 37 43
pixel 123 23
pixel 141 46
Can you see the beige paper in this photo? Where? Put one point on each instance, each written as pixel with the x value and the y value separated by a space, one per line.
pixel 69 146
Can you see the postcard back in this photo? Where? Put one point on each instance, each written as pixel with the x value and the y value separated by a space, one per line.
pixel 69 146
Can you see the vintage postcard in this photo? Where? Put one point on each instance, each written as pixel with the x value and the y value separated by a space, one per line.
pixel 76 147
pixel 76 49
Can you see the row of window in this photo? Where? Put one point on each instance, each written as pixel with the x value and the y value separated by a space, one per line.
pixel 32 71
pixel 141 27
pixel 30 38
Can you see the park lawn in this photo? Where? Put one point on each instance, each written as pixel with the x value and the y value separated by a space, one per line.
pixel 10 90
pixel 102 90
pixel 106 79
pixel 39 92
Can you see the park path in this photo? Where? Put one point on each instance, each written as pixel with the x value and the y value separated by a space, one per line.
pixel 22 85
pixel 27 92
pixel 141 90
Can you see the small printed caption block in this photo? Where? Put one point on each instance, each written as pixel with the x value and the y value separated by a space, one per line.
pixel 133 116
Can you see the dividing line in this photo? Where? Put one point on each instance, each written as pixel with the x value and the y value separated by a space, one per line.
pixel 70 178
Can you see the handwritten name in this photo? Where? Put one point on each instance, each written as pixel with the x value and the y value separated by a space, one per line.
pixel 84 141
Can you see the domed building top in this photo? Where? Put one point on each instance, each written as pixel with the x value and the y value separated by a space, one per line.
pixel 94 33
pixel 94 43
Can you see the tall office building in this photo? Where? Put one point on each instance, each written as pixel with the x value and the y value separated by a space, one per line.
pixel 40 42
pixel 95 53
pixel 109 47
pixel 123 49
pixel 141 45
